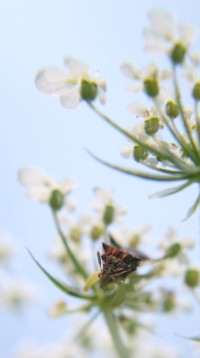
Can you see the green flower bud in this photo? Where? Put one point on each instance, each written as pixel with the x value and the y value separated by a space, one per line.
pixel 178 52
pixel 108 215
pixel 151 126
pixel 88 90
pixel 173 250
pixel 56 200
pixel 168 303
pixel 192 278
pixel 196 91
pixel 171 108
pixel 96 232
pixel 140 153
pixel 151 87
pixel 75 234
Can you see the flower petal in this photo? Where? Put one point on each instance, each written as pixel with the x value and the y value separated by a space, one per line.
pixel 154 43
pixel 163 24
pixel 187 34
pixel 71 99
pixel 39 194
pixel 31 176
pixel 52 81
pixel 78 69
pixel 139 110
pixel 127 152
pixel 129 70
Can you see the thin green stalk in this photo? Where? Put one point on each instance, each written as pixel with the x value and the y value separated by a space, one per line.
pixel 76 263
pixel 173 129
pixel 145 175
pixel 195 155
pixel 197 120
pixel 111 321
pixel 168 156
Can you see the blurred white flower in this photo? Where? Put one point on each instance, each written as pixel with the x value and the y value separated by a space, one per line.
pixel 150 72
pixel 15 292
pixel 41 186
pixel 65 348
pixel 107 209
pixel 164 34
pixel 69 85
pixel 172 237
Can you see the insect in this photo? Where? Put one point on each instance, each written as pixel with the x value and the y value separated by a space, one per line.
pixel 116 263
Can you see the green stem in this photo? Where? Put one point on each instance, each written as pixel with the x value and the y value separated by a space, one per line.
pixel 111 321
pixel 172 129
pixel 194 154
pixel 76 263
pixel 197 120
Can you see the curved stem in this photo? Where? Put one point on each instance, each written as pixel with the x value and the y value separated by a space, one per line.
pixel 194 154
pixel 197 120
pixel 111 321
pixel 80 269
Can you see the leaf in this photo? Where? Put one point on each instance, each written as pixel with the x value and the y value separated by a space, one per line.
pixel 63 287
pixel 170 191
pixel 193 208
pixel 144 175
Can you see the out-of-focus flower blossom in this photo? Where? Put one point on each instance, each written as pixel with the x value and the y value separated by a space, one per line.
pixel 44 188
pixel 164 37
pixel 61 349
pixel 16 293
pixel 72 86
pixel 148 81
pixel 106 207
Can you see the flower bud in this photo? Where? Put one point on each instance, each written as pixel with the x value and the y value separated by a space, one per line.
pixel 173 250
pixel 108 215
pixel 171 108
pixel 56 200
pixel 192 278
pixel 88 90
pixel 151 87
pixel 151 125
pixel 140 153
pixel 75 234
pixel 196 91
pixel 178 52
pixel 168 303
pixel 96 232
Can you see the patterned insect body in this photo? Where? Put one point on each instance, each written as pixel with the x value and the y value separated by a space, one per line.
pixel 116 263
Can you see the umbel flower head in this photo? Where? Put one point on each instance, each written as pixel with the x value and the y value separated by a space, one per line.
pixel 72 86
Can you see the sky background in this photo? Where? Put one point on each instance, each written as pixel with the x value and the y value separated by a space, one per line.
pixel 36 130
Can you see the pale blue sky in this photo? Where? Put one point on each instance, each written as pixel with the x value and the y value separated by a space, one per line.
pixel 36 130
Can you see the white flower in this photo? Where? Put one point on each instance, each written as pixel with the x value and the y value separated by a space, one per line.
pixel 172 238
pixel 67 85
pixel 16 293
pixel 163 33
pixel 105 201
pixel 150 72
pixel 40 185
pixel 139 132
